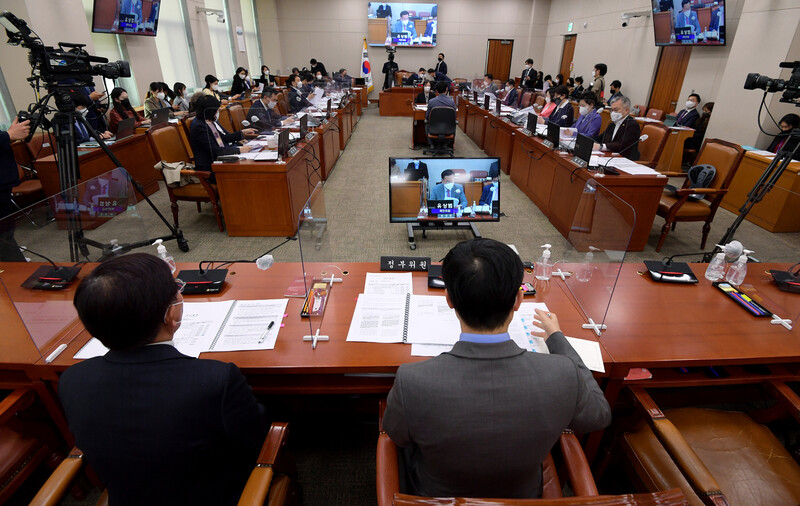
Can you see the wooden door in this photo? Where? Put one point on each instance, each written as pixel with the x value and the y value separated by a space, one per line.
pixel 669 78
pixel 498 58
pixel 567 54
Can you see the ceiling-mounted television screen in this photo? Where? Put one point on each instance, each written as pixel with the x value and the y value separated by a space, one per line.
pixel 403 24
pixel 131 17
pixel 689 23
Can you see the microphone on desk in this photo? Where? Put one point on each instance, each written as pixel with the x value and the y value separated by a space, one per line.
pixel 672 272
pixel 615 172
pixel 52 277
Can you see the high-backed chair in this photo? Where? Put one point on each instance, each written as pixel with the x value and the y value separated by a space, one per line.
pixel 26 192
pixel 186 124
pixel 237 114
pixel 41 144
pixel 441 130
pixel 715 457
pixel 725 157
pixel 638 110
pixel 525 99
pixel 167 146
pixel 225 119
pixel 650 149
pixel 655 114
pixel 478 174
pixel 283 102
pixel 263 487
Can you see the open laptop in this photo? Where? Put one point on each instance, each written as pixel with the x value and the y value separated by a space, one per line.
pixel 670 120
pixel 159 116
pixel 125 128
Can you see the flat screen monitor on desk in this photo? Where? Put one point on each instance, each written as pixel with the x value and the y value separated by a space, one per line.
pixel 360 81
pixel 303 126
pixel 439 189
pixel 531 124
pixel 553 133
pixel 583 150
pixel 283 143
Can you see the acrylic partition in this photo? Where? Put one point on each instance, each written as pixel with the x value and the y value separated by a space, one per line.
pixel 87 223
pixel 594 251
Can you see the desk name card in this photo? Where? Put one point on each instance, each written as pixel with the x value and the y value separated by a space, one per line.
pixel 390 263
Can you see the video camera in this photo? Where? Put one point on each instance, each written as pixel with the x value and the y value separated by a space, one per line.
pixel 67 66
pixel 790 87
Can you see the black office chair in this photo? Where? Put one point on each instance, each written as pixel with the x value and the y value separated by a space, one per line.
pixel 441 128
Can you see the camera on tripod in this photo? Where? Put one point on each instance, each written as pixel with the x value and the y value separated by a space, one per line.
pixel 790 87
pixel 67 62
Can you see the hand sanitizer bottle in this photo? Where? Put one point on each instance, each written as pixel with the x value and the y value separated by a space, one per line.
pixel 738 271
pixel 544 267
pixel 716 268
pixel 584 271
pixel 472 209
pixel 162 252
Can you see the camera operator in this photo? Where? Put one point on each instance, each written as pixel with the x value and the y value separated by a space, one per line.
pixel 9 178
pixel 389 70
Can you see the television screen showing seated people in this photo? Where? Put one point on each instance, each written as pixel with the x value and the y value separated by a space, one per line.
pixel 688 22
pixel 444 189
pixel 408 24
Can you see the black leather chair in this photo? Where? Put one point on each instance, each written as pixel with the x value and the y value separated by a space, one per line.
pixel 441 128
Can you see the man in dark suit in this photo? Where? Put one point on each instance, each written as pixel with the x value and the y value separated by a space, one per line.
pixel 266 111
pixel 438 77
pixel 615 89
pixel 317 67
pixel 477 421
pixel 157 426
pixel 687 17
pixel 416 170
pixel 9 178
pixel 688 117
pixel 441 66
pixel 209 139
pixel 528 79
pixel 490 193
pixel 297 101
pixel 384 11
pixel 512 96
pixel 417 78
pixel 442 99
pixel 622 134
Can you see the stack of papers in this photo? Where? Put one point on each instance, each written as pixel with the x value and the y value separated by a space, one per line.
pixel 625 165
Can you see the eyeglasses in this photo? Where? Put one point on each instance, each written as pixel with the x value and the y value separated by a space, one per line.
pixel 181 284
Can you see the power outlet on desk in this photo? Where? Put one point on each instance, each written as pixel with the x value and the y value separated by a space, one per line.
pixel 309 136
pixel 526 132
pixel 292 151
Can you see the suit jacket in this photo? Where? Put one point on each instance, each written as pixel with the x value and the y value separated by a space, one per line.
pixel 239 86
pixel 456 193
pixel 529 83
pixel 398 27
pixel 319 67
pixel 9 174
pixel 267 80
pixel 511 98
pixel 492 88
pixel 420 98
pixel 478 421
pixel 486 195
pixel 688 118
pixel 681 21
pixel 625 142
pixel 613 97
pixel 414 174
pixel 159 427
pixel 384 11
pixel 205 146
pixel 297 101
pixel 439 101
pixel 270 118
pixel 557 116
pixel 577 92
pixel 441 66
pixel 589 124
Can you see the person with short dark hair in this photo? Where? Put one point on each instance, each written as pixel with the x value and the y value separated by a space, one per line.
pixel 539 80
pixel 696 140
pixel 687 17
pixel 589 121
pixel 563 113
pixel 266 78
pixel 598 84
pixel 688 117
pixel 212 88
pixel 579 90
pixel 342 79
pixel 549 105
pixel 528 79
pixel 405 25
pixel 297 101
pixel 265 110
pixel 448 189
pixel 416 170
pixel 441 66
pixel 438 77
pixel 209 139
pixel 121 108
pixel 442 99
pixel 426 95
pixel 418 78
pixel 511 97
pixel 317 67
pixel 82 104
pixel 157 426
pixel 180 103
pixel 784 141
pixel 488 84
pixel 559 80
pixel 615 88
pixel 240 84
pixel 478 421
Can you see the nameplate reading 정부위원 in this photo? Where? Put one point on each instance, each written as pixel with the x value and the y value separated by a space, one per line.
pixel 405 263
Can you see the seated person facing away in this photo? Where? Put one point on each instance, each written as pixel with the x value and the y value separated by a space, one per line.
pixel 156 99
pixel 442 99
pixel 512 96
pixel 478 421
pixel 490 193
pixel 157 426
pixel 783 141
pixel 122 109
pixel 688 117
pixel 266 112
pixel 614 88
pixel 578 91
pixel 405 25
pixel 549 105
pixel 297 101
pixel 416 170
pixel 82 104
pixel 448 190
pixel 547 83
pixel 563 113
pixel 622 134
pixel 240 84
pixel 588 123
pixel 209 139
pixel 488 84
pixel 426 95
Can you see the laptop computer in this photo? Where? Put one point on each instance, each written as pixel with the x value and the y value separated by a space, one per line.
pixel 159 116
pixel 670 120
pixel 360 81
pixel 125 128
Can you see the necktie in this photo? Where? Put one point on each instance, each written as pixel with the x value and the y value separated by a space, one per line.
pixel 217 137
pixel 448 193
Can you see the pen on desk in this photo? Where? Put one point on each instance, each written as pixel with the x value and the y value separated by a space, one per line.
pixel 264 335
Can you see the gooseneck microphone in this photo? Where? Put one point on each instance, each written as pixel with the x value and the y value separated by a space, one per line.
pixel 618 155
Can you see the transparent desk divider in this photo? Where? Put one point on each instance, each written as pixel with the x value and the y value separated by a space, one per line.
pixel 598 237
pixel 86 223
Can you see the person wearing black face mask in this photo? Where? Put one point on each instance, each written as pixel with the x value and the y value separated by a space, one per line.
pixel 82 104
pixel 121 109
pixel 441 66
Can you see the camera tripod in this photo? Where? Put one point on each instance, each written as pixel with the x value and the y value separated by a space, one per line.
pixel 63 124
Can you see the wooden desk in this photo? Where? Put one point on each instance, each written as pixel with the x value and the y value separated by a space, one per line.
pixel 461 113
pixel 477 118
pixel 345 119
pixel 780 209
pixel 499 140
pixel 266 198
pixel 363 95
pixel 419 137
pixel 134 154
pixel 329 150
pixel 397 101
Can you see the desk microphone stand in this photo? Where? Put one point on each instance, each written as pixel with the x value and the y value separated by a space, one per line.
pixel 69 177
pixel 762 187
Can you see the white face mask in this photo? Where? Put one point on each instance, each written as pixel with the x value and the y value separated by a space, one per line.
pixel 584 110
pixel 84 112
pixel 449 186
pixel 509 88
pixel 487 83
pixel 547 99
pixel 160 96
pixel 527 66
pixel 215 87
pixel 271 104
pixel 690 104
pixel 242 76
pixel 427 89
pixel 616 116
pixel 266 72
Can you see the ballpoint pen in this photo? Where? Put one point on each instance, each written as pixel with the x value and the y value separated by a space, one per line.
pixel 264 335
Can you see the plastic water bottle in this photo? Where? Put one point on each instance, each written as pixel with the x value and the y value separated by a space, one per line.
pixel 716 268
pixel 544 267
pixel 472 211
pixel 737 271
pixel 584 271
pixel 162 253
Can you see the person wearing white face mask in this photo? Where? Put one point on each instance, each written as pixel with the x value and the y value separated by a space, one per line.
pixel 490 193
pixel 488 84
pixel 82 104
pixel 267 79
pixel 588 123
pixel 212 88
pixel 156 99
pixel 297 101
pixel 622 133
pixel 424 96
pixel 528 79
pixel 266 110
pixel 598 85
pixel 549 105
pixel 449 190
pixel 241 84
pixel 511 97
pixel 688 117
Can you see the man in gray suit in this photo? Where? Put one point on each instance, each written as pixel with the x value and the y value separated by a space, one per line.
pixel 479 420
